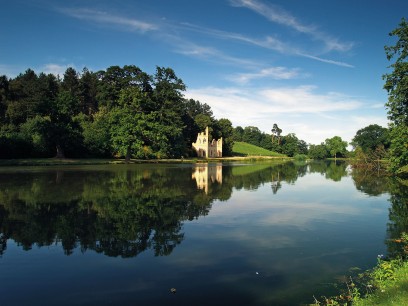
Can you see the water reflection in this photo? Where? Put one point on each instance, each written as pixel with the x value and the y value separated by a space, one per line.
pixel 206 175
pixel 298 224
pixel 125 210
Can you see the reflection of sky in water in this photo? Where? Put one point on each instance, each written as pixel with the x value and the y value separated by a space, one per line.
pixel 257 248
pixel 306 233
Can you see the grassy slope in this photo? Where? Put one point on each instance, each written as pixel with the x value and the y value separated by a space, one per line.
pixel 246 149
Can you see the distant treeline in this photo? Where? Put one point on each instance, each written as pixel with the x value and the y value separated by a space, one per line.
pixel 120 111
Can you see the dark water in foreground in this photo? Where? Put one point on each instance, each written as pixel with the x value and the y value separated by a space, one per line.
pixel 220 234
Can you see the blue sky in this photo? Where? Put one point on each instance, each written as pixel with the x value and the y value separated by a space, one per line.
pixel 313 67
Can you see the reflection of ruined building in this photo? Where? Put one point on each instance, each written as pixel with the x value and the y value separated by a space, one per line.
pixel 205 148
pixel 206 175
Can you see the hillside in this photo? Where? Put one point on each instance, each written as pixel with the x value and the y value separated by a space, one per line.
pixel 246 149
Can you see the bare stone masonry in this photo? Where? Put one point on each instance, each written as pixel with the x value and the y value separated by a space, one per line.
pixel 206 148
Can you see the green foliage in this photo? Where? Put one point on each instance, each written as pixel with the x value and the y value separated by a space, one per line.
pixel 399 148
pixel 238 133
pixel 318 151
pixel 336 145
pixel 225 130
pixel 291 145
pixel 300 157
pixel 34 130
pixel 371 137
pixel 252 135
pixel 128 123
pixel 396 84
pixel 96 133
pixel 369 159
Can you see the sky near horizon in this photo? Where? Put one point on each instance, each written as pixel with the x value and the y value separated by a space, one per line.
pixel 313 67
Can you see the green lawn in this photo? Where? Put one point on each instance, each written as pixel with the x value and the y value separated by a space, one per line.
pixel 246 149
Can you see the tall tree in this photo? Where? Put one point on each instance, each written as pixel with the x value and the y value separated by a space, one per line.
pixel 4 92
pixel 128 123
pixel 318 151
pixel 168 102
pixel 25 98
pixel 290 145
pixel 396 84
pixel 225 130
pixel 252 135
pixel 336 145
pixel 276 132
pixel 238 133
pixel 370 137
pixel 116 78
pixel 88 88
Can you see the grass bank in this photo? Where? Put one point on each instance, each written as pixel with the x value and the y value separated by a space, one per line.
pixel 246 149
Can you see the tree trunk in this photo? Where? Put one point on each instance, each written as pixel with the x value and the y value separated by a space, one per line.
pixel 60 152
pixel 127 157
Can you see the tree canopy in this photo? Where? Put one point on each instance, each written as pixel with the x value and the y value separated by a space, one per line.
pixel 370 137
pixel 396 84
pixel 120 111
pixel 336 145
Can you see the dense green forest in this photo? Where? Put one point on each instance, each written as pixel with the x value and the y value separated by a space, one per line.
pixel 120 111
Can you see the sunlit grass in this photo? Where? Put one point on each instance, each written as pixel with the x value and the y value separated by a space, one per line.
pixel 246 149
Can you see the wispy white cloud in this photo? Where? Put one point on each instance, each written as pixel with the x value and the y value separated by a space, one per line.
pixel 213 54
pixel 275 14
pixel 105 18
pixel 269 42
pixel 170 34
pixel 56 69
pixel 328 61
pixel 278 15
pixel 277 73
pixel 322 115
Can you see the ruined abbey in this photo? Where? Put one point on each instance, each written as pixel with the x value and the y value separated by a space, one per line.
pixel 206 148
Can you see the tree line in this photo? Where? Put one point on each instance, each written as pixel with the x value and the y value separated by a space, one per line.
pixel 290 144
pixel 120 111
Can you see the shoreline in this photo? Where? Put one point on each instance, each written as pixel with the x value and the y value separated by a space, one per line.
pixel 111 161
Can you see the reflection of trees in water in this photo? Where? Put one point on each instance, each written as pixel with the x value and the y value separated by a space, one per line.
pixel 372 183
pixel 398 215
pixel 122 211
pixel 333 170
pixel 117 213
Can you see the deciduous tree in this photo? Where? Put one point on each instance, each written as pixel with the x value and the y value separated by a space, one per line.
pixel 336 145
pixel 396 84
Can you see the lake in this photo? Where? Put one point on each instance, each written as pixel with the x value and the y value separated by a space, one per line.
pixel 262 233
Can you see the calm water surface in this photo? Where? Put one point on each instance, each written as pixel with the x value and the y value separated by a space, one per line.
pixel 220 234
